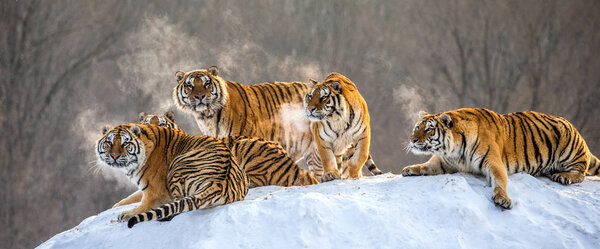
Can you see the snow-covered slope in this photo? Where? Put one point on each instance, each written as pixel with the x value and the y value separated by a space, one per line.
pixel 387 211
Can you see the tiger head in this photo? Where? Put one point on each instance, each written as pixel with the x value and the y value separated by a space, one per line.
pixel 200 91
pixel 432 134
pixel 327 99
pixel 121 147
pixel 165 120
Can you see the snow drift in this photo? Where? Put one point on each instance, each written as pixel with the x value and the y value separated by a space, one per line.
pixel 386 211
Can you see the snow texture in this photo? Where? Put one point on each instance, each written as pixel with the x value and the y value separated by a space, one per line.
pixel 386 211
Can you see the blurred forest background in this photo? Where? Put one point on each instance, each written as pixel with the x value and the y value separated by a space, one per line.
pixel 68 67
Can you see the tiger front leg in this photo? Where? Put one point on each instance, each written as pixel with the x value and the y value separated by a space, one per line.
pixel 432 167
pixel 149 201
pixel 330 170
pixel 360 156
pixel 328 159
pixel 497 175
pixel 133 198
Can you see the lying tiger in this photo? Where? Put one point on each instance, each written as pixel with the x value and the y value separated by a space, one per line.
pixel 481 141
pixel 265 162
pixel 225 108
pixel 175 172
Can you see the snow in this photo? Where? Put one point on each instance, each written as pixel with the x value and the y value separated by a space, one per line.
pixel 386 211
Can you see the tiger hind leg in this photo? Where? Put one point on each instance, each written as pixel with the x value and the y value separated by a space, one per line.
pixel 574 173
pixel 567 178
pixel 372 167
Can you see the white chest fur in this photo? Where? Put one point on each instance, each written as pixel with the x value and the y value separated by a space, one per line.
pixel 341 133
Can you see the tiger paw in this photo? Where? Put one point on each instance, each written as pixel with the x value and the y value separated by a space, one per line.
pixel 330 176
pixel 566 178
pixel 125 216
pixel 415 170
pixel 376 172
pixel 502 200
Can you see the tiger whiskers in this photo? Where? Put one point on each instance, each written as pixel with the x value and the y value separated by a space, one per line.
pixel 407 147
pixel 95 168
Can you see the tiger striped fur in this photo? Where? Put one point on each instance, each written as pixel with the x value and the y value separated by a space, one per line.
pixel 175 172
pixel 339 120
pixel 265 162
pixel 225 108
pixel 481 141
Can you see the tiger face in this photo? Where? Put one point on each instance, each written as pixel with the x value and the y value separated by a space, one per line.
pixel 121 147
pixel 199 90
pixel 432 134
pixel 166 120
pixel 324 100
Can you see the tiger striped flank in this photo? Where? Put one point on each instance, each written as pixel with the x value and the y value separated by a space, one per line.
pixel 267 163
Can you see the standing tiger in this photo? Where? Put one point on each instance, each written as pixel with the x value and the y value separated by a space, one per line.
pixel 495 145
pixel 339 120
pixel 225 108
pixel 174 171
pixel 265 162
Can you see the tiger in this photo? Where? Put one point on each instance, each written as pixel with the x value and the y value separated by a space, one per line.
pixel 265 162
pixel 483 142
pixel 226 108
pixel 175 172
pixel 339 120
pixel 165 120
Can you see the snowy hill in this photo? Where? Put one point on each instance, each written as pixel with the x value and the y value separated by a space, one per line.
pixel 387 211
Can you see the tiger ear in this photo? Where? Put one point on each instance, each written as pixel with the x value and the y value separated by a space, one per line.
pixel 135 130
pixel 179 75
pixel 446 120
pixel 422 114
pixel 170 115
pixel 141 116
pixel 337 86
pixel 214 70
pixel 312 82
pixel 105 129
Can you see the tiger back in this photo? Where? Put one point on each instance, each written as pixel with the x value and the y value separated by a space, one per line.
pixel 176 172
pixel 265 162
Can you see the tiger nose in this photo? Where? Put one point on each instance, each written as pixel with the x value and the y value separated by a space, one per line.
pixel 414 140
pixel 114 156
pixel 311 109
pixel 199 96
